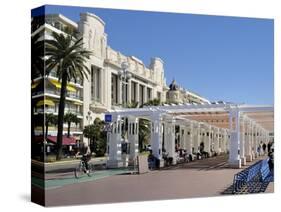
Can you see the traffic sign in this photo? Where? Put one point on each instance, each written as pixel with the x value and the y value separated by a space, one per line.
pixel 108 118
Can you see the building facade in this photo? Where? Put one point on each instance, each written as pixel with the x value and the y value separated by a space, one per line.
pixel 107 87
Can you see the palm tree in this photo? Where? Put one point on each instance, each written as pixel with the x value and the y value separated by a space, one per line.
pixel 37 55
pixel 37 69
pixel 70 118
pixel 144 133
pixel 68 57
pixel 50 119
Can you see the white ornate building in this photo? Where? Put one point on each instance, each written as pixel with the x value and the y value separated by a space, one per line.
pixel 105 89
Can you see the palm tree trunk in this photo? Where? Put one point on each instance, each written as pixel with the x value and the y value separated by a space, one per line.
pixel 46 133
pixel 32 122
pixel 61 114
pixel 68 129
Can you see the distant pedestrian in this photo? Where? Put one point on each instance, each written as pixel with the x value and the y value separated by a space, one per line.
pixel 268 147
pixel 259 150
pixel 264 148
pixel 271 162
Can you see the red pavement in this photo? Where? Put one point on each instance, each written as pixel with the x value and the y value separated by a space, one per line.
pixel 204 178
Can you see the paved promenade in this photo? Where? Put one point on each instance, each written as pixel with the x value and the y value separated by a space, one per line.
pixel 204 178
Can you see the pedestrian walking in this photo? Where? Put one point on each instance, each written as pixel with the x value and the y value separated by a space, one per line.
pixel 271 162
pixel 264 148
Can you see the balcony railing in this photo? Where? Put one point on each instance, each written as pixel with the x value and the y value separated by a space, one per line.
pixel 37 93
pixel 55 92
pixel 69 95
pixel 53 110
pixel 78 81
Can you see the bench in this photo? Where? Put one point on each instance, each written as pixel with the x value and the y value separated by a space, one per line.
pixel 253 179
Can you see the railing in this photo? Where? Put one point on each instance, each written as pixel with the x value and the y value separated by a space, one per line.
pixel 37 93
pixel 70 95
pixel 78 81
pixel 253 179
pixel 53 110
pixel 55 92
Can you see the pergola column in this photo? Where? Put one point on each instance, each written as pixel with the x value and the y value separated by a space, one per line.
pixel 114 144
pixel 181 136
pixel 253 142
pixel 216 140
pixel 170 139
pixel 207 140
pixel 156 136
pixel 196 137
pixel 189 139
pixel 256 141
pixel 242 142
pixel 259 141
pixel 251 138
pixel 234 157
pixel 224 142
pixel 133 137
pixel 248 150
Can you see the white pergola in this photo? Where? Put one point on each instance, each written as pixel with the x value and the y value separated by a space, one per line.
pixel 235 128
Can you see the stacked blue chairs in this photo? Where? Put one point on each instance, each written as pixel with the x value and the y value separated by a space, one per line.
pixel 252 179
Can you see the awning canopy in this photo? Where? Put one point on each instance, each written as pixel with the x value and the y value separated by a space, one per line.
pixel 65 140
pixel 58 85
pixel 45 102
pixel 77 103
pixel 53 139
pixel 35 84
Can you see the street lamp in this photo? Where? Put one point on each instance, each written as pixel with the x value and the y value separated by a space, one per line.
pixel 124 75
pixel 89 117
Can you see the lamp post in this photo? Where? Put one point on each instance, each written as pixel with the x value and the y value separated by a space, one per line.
pixel 89 118
pixel 124 75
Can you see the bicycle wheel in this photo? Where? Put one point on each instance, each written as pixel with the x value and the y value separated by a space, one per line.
pixel 78 172
pixel 91 170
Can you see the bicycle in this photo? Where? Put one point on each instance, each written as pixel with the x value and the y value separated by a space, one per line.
pixel 81 170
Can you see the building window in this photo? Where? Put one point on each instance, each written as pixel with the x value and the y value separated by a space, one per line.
pixel 159 95
pixel 133 91
pixel 114 89
pixel 95 83
pixel 149 97
pixel 141 95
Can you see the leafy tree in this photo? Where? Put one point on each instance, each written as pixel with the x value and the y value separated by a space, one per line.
pixel 152 102
pixel 132 105
pixel 144 124
pixel 68 58
pixel 70 118
pixel 144 133
pixel 97 136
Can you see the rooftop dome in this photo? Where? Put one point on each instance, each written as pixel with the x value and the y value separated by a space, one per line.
pixel 173 86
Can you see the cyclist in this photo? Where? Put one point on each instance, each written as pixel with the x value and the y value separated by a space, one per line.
pixel 85 151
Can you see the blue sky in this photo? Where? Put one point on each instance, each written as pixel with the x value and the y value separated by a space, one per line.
pixel 221 58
